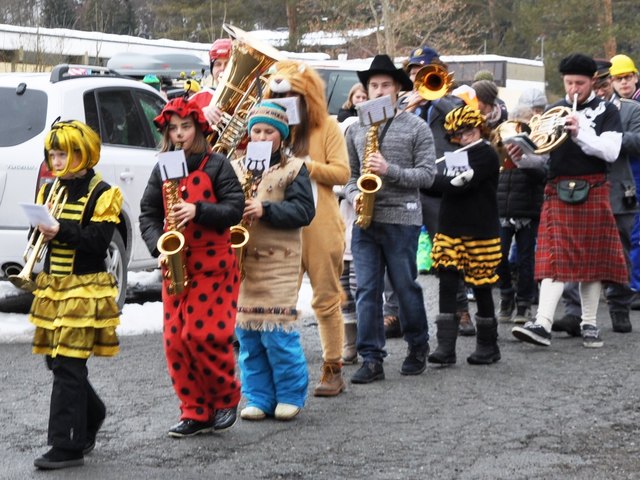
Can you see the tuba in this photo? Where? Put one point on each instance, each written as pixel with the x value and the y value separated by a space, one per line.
pixel 172 243
pixel 368 183
pixel 239 233
pixel 56 200
pixel 240 88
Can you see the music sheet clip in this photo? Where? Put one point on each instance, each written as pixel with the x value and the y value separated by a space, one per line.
pixel 375 111
pixel 173 165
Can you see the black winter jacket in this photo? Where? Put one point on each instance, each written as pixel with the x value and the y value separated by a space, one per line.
pixel 226 212
pixel 520 192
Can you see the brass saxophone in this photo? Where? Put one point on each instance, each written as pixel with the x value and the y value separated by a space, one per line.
pixel 172 242
pixel 239 233
pixel 368 183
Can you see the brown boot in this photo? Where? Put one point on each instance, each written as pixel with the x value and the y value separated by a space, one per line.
pixel 349 351
pixel 392 327
pixel 466 327
pixel 331 382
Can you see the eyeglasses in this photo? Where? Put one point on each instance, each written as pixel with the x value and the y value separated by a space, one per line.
pixel 629 77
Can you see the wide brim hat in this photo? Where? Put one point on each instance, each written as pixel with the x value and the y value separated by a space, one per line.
pixel 383 65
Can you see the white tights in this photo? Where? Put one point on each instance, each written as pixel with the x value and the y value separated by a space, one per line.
pixel 550 293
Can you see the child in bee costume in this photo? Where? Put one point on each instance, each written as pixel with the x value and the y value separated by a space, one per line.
pixel 74 309
pixel 467 242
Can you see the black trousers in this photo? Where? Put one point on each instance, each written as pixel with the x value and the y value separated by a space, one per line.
pixel 75 406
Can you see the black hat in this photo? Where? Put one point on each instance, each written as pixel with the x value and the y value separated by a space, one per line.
pixel 578 64
pixel 382 64
pixel 603 66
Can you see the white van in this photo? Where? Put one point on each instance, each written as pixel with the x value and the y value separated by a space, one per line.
pixel 120 109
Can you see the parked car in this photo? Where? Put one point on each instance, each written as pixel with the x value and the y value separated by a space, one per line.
pixel 120 109
pixel 339 76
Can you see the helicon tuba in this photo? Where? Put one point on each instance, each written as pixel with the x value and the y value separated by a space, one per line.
pixel 240 88
pixel 55 201
pixel 172 243
pixel 368 183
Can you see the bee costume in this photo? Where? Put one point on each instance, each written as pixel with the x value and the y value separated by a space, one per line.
pixel 74 309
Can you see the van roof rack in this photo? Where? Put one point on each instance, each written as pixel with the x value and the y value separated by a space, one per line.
pixel 67 71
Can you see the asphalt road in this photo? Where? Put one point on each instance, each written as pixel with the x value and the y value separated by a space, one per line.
pixel 563 412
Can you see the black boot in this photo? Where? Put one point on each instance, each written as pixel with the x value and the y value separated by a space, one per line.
pixel 487 350
pixel 447 335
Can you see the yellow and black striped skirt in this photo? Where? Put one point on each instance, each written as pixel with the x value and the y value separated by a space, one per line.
pixel 75 315
pixel 478 259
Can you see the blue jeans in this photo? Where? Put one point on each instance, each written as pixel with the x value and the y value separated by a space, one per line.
pixel 526 249
pixel 394 247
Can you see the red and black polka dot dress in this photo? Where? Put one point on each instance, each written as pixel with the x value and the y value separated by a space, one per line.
pixel 199 324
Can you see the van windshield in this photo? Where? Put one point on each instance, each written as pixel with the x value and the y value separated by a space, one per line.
pixel 25 114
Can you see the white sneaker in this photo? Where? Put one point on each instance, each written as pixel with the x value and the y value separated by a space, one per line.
pixel 286 411
pixel 252 413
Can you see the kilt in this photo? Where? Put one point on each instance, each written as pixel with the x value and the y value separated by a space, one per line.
pixel 476 258
pixel 579 243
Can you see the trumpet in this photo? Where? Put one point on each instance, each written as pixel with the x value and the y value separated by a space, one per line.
pixel 56 200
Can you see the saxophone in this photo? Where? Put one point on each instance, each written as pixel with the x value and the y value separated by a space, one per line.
pixel 239 233
pixel 368 183
pixel 172 242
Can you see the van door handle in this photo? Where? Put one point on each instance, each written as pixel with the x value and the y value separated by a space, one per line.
pixel 127 176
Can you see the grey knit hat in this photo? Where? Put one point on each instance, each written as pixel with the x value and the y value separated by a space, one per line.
pixel 486 91
pixel 533 97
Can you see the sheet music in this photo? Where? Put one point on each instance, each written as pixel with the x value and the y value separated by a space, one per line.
pixel 375 111
pixel 258 157
pixel 173 165
pixel 456 162
pixel 38 215
pixel 292 105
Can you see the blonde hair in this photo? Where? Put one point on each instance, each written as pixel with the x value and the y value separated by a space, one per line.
pixel 72 136
pixel 349 103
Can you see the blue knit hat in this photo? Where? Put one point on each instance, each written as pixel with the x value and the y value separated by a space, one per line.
pixel 272 114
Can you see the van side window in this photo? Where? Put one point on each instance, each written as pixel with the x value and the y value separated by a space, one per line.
pixel 118 118
pixel 151 108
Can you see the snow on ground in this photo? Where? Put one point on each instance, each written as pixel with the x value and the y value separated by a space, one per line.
pixel 136 318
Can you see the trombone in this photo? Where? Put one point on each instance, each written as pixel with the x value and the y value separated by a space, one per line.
pixel 35 246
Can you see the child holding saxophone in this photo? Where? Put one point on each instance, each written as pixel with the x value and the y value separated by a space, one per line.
pixel 74 309
pixel 199 321
pixel 272 364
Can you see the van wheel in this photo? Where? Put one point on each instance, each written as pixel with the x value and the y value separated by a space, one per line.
pixel 116 265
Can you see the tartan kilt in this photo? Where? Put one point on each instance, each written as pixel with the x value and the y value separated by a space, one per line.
pixel 579 243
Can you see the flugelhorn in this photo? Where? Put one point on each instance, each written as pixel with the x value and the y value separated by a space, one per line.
pixel 172 242
pixel 240 88
pixel 55 201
